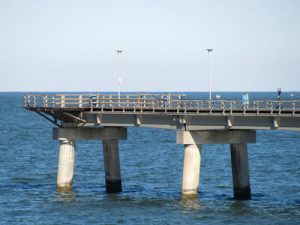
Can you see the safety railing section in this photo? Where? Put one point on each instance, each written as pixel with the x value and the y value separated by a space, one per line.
pixel 99 100
pixel 153 102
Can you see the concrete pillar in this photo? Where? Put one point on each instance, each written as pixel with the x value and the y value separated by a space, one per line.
pixel 191 171
pixel 240 171
pixel 65 164
pixel 112 166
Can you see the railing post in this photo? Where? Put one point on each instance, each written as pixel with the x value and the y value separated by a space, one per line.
pixel 223 107
pixel 80 101
pixel 97 101
pixel 294 106
pixel 25 101
pixel 34 101
pixel 153 105
pixel 271 107
pixel 210 106
pixel 257 112
pixel 144 101
pixel 279 108
pixel 29 100
pixel 178 106
pixel 45 101
pixel 91 103
pixel 127 101
pixel 62 101
pixel 103 102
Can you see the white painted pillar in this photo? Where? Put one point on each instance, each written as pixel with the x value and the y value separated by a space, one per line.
pixel 112 166
pixel 240 171
pixel 65 164
pixel 191 171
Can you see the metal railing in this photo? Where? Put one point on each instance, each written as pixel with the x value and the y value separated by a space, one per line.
pixel 153 102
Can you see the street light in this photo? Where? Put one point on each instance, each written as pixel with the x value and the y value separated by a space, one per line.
pixel 119 52
pixel 209 50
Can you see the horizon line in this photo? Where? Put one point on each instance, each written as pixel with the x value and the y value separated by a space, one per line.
pixel 162 91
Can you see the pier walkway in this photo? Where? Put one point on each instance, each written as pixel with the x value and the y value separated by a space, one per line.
pixel 164 111
pixel 196 121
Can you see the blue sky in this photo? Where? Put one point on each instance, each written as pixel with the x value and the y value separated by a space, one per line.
pixel 70 45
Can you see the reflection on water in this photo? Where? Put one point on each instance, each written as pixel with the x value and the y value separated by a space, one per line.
pixel 66 196
pixel 239 205
pixel 190 203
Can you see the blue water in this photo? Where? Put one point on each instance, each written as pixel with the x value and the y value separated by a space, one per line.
pixel 151 166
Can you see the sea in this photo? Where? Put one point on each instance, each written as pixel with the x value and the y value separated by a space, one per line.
pixel 151 168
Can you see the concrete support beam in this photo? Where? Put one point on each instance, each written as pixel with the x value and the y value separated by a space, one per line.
pixel 191 171
pixel 112 166
pixel 105 133
pixel 238 139
pixel 216 137
pixel 65 165
pixel 240 171
pixel 109 137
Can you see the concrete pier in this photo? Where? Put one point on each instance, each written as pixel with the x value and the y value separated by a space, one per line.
pixel 65 164
pixel 191 171
pixel 237 139
pixel 112 166
pixel 240 171
pixel 197 121
pixel 109 137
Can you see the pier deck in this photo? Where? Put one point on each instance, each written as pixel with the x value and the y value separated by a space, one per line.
pixel 164 111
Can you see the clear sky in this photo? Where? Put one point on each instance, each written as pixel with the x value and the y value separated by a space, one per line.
pixel 69 45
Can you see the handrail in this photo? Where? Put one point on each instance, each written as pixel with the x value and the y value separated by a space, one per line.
pixel 152 101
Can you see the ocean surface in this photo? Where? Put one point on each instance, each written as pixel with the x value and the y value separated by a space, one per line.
pixel 151 167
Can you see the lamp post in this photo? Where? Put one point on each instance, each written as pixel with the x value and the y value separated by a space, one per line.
pixel 119 52
pixel 209 50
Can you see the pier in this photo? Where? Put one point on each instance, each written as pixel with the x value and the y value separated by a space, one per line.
pixel 106 117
